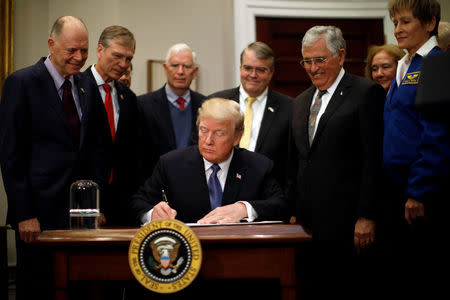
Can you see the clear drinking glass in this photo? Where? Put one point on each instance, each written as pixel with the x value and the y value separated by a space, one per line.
pixel 84 205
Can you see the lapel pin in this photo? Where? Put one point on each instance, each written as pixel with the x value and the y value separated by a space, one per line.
pixel 238 176
pixel 82 90
pixel 342 93
pixel 121 96
pixel 271 109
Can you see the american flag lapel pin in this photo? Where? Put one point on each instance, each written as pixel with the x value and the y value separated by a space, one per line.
pixel 238 176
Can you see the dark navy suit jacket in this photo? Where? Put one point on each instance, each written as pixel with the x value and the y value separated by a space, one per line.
pixel 39 154
pixel 122 154
pixel 181 173
pixel 336 180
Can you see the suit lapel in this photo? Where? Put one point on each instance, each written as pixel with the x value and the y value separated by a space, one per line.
pixel 270 112
pixel 52 97
pixel 235 176
pixel 82 96
pixel 164 112
pixel 123 109
pixel 336 100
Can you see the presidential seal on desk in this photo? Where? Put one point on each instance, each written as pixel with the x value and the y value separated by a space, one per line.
pixel 165 256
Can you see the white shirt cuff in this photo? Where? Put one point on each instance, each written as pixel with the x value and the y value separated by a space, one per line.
pixel 147 217
pixel 251 212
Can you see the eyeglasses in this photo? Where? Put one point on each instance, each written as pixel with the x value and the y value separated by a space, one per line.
pixel 259 70
pixel 318 61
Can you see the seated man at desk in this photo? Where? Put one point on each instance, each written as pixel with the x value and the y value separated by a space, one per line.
pixel 214 182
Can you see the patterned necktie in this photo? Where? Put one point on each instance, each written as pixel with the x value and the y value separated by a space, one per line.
pixel 180 102
pixel 248 118
pixel 70 108
pixel 313 115
pixel 215 190
pixel 109 110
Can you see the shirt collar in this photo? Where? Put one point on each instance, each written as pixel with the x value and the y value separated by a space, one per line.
pixel 99 78
pixel 333 87
pixel 172 97
pixel 224 166
pixel 426 48
pixel 57 78
pixel 259 98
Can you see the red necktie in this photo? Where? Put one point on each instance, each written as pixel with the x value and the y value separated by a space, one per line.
pixel 180 101
pixel 70 108
pixel 109 110
pixel 110 113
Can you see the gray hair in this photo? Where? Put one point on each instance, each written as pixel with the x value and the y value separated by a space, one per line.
pixel 332 35
pixel 57 27
pixel 222 110
pixel 180 48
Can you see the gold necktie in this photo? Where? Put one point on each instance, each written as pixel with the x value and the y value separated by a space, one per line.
pixel 248 117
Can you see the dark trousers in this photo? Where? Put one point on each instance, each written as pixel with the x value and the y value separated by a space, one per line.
pixel 34 272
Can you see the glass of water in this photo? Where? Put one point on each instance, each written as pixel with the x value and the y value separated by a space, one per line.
pixel 84 208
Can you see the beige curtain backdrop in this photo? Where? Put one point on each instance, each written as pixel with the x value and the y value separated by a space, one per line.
pixel 6 39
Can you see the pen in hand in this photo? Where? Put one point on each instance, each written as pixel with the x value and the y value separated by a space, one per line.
pixel 164 196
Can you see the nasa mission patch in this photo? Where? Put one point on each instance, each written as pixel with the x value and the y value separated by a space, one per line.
pixel 165 256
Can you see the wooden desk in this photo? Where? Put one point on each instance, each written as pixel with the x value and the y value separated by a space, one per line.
pixel 103 254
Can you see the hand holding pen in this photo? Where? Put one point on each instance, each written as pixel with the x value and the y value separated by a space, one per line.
pixel 162 210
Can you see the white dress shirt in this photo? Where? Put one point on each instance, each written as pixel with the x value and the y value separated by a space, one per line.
pixel 115 98
pixel 258 108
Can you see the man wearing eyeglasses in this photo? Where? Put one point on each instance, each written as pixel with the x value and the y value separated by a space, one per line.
pixel 167 116
pixel 267 112
pixel 335 156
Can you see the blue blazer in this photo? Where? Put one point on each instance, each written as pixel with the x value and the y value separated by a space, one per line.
pixel 39 154
pixel 415 149
pixel 181 173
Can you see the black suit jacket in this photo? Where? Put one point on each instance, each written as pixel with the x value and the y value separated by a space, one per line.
pixel 274 132
pixel 122 154
pixel 334 181
pixel 156 130
pixel 39 154
pixel 181 173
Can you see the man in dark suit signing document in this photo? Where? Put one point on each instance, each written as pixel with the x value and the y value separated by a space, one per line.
pixel 214 182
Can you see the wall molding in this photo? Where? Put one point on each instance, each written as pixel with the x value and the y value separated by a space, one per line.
pixel 245 12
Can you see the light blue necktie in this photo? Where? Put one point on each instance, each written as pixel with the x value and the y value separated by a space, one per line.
pixel 215 190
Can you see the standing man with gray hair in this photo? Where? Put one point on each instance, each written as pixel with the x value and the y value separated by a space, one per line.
pixel 167 116
pixel 335 155
pixel 267 112
pixel 118 113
